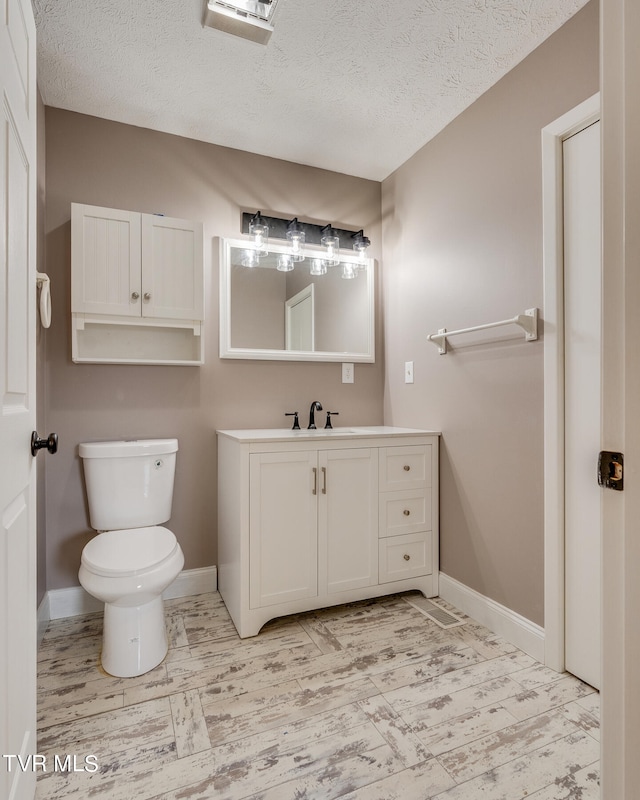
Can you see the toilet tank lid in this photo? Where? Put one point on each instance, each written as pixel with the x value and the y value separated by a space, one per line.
pixel 129 448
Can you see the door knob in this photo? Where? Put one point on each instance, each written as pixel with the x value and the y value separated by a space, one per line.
pixel 38 444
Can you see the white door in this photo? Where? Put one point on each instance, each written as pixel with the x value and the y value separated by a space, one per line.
pixel 299 320
pixel 17 398
pixel 582 424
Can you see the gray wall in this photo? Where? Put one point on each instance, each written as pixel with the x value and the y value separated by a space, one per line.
pixel 462 245
pixel 95 161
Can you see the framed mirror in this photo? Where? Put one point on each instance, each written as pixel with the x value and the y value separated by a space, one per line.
pixel 294 315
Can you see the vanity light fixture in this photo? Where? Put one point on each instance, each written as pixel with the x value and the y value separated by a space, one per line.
pixel 285 263
pixel 296 237
pixel 360 244
pixel 349 271
pixel 259 229
pixel 250 258
pixel 318 267
pixel 331 241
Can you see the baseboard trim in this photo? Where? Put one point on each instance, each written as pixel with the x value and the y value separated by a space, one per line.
pixel 71 602
pixel 516 629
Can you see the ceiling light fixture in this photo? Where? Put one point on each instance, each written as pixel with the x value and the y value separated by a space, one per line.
pixel 249 19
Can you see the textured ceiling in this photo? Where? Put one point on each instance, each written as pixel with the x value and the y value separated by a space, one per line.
pixel 355 86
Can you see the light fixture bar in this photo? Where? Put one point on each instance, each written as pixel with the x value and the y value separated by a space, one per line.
pixel 313 233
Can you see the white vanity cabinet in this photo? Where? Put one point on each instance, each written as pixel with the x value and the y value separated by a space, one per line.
pixel 137 287
pixel 308 519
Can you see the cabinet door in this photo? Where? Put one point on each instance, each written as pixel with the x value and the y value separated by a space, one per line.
pixel 105 261
pixel 283 535
pixel 172 268
pixel 348 518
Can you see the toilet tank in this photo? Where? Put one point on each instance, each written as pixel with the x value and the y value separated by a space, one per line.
pixel 129 483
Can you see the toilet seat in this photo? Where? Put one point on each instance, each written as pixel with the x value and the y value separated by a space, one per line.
pixel 129 551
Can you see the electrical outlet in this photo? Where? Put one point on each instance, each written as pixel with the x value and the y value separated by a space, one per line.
pixel 347 373
pixel 408 371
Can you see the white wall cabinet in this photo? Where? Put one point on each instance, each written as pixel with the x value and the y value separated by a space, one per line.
pixel 137 287
pixel 311 519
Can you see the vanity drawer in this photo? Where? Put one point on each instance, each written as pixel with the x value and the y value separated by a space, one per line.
pixel 405 467
pixel 406 556
pixel 404 512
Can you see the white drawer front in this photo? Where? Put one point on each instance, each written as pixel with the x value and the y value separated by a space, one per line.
pixel 405 467
pixel 404 512
pixel 405 556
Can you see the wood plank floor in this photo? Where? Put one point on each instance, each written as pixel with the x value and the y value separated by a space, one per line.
pixel 369 701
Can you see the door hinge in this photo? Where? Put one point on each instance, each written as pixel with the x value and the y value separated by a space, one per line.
pixel 611 470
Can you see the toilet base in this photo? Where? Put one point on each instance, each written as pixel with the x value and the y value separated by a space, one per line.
pixel 134 638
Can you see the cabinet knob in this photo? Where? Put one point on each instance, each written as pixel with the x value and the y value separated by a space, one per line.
pixel 147 295
pixel 406 512
pixel 135 295
pixel 407 557
pixel 407 468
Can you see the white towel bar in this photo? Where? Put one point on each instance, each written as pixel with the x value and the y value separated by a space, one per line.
pixel 527 321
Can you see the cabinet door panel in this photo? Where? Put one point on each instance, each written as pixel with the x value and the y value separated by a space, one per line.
pixel 348 518
pixel 283 528
pixel 172 268
pixel 105 261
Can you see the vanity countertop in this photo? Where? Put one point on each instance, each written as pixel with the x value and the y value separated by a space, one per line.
pixel 355 432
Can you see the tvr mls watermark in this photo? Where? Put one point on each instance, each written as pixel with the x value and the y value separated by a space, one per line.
pixel 36 762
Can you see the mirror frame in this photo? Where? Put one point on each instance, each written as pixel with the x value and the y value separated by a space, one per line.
pixel 227 351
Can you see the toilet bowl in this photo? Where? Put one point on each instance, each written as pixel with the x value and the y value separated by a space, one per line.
pixel 128 568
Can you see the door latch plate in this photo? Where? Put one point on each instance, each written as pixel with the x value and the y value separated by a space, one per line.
pixel 611 470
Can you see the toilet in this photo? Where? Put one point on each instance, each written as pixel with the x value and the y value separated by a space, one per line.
pixel 132 560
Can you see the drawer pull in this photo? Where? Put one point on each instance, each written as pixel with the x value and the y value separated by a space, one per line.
pixel 407 557
pixel 407 468
pixel 406 512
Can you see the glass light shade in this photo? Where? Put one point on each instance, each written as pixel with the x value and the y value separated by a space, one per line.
pixel 259 229
pixel 349 271
pixel 360 244
pixel 318 267
pixel 296 237
pixel 285 263
pixel 331 242
pixel 250 258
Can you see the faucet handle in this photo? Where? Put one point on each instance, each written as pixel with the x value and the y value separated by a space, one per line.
pixel 294 414
pixel 329 413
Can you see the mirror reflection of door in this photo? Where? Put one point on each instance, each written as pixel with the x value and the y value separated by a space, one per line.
pixel 299 320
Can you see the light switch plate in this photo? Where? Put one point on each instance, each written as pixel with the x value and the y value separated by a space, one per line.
pixel 347 373
pixel 408 371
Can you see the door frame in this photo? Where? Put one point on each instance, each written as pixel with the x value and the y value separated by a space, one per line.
pixel 553 136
